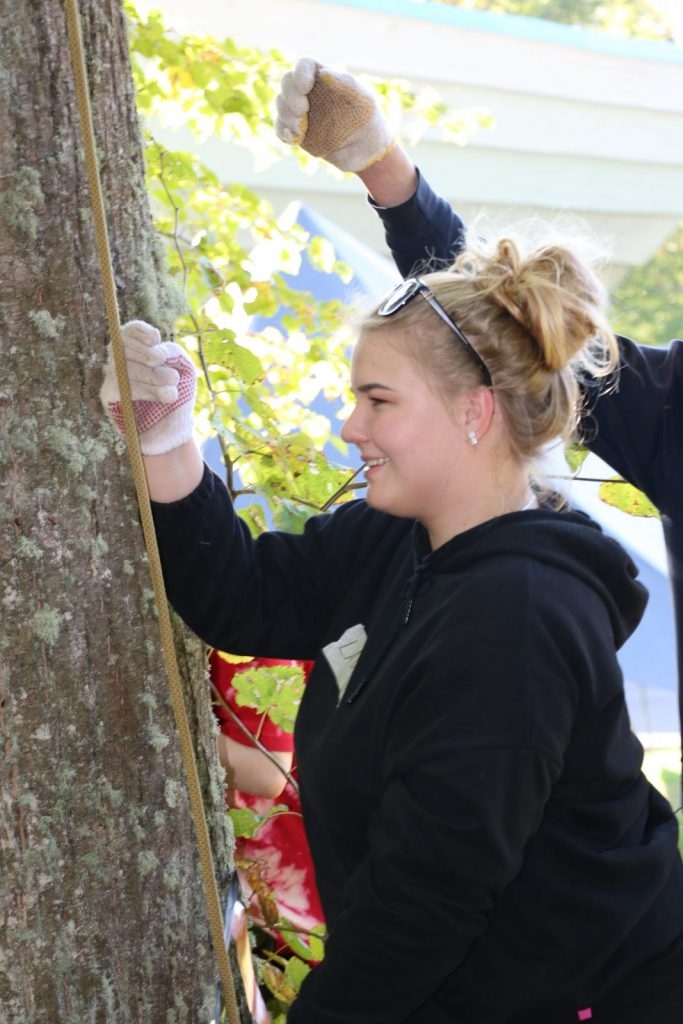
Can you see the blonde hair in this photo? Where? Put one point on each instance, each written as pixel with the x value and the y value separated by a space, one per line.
pixel 538 320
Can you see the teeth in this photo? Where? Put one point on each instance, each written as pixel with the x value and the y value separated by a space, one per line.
pixel 371 463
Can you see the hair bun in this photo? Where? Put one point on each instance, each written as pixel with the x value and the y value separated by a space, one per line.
pixel 550 292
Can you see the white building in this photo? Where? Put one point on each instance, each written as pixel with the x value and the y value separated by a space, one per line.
pixel 585 123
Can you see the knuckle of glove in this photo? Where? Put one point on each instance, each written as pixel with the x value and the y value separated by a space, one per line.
pixel 177 358
pixel 353 88
pixel 165 376
pixel 140 331
pixel 295 108
pixel 304 73
pixel 291 96
pixel 289 126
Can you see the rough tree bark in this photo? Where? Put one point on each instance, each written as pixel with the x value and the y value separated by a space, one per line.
pixel 102 913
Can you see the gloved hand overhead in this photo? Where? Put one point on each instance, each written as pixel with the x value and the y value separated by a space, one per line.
pixel 331 115
pixel 163 383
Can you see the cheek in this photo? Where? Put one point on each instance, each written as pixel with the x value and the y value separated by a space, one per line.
pixel 435 437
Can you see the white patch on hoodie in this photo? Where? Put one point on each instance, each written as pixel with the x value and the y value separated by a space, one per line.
pixel 343 654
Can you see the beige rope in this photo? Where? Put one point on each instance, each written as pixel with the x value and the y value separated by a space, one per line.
pixel 140 480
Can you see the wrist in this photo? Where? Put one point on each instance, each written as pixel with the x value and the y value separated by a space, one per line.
pixel 392 180
pixel 173 475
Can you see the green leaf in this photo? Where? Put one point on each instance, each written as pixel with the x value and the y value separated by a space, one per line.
pixel 295 972
pixel 255 519
pixel 316 942
pixel 247 822
pixel 290 516
pixel 309 946
pixel 623 496
pixel 221 350
pixel 575 455
pixel 273 690
pixel 321 253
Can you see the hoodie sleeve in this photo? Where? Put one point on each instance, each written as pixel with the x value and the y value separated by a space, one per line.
pixel 476 744
pixel 274 595
pixel 422 233
pixel 637 427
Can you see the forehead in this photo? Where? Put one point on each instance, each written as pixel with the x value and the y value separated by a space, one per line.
pixel 377 356
pixel 385 358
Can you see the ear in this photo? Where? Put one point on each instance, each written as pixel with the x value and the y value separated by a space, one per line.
pixel 480 406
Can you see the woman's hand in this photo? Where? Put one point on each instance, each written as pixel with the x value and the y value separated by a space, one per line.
pixel 163 386
pixel 331 115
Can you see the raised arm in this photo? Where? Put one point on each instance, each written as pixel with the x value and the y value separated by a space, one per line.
pixel 636 426
pixel 333 116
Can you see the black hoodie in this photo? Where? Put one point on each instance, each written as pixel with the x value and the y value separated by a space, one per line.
pixel 485 844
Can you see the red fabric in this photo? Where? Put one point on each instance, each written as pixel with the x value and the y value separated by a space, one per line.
pixel 277 858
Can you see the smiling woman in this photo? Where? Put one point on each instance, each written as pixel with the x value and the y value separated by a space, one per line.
pixel 450 444
pixel 408 441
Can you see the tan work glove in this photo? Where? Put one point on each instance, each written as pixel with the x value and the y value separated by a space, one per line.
pixel 331 115
pixel 163 383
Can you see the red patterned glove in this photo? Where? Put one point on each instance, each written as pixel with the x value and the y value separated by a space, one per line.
pixel 163 383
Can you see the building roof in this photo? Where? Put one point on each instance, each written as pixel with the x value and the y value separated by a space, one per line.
pixel 520 26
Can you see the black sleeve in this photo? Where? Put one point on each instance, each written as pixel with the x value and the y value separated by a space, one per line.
pixel 272 595
pixel 424 233
pixel 636 426
pixel 246 596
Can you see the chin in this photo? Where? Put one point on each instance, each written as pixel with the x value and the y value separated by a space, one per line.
pixel 374 500
pixel 385 504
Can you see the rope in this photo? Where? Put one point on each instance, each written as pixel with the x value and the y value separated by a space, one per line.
pixel 140 481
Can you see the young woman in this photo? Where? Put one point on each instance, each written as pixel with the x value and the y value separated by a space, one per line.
pixel 485 844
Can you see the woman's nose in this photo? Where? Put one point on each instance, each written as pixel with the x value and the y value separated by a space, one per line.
pixel 352 432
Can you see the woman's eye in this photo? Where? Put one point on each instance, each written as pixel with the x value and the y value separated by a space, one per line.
pixel 376 401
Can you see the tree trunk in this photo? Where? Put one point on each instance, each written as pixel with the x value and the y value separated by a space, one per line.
pixel 102 910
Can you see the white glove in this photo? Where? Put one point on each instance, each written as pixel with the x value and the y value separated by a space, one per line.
pixel 330 114
pixel 163 383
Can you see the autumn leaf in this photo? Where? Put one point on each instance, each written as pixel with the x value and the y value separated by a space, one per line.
pixel 621 495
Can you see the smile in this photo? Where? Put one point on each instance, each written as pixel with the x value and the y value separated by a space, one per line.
pixel 372 463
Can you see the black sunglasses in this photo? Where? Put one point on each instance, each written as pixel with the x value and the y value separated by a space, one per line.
pixel 407 290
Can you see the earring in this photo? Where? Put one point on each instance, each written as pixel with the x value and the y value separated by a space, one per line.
pixel 472 438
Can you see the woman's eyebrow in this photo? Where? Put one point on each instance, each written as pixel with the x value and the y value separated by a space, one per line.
pixel 371 387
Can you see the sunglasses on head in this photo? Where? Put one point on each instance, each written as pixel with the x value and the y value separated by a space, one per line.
pixel 404 292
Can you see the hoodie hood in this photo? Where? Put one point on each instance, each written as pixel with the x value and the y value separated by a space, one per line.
pixel 569 541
